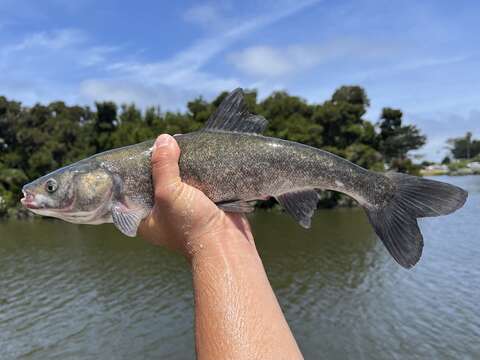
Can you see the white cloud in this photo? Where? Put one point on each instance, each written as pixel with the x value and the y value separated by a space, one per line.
pixel 183 73
pixel 39 45
pixel 408 66
pixel 277 62
pixel 53 40
pixel 97 55
pixel 38 67
pixel 144 94
pixel 440 126
pixel 263 61
pixel 47 62
pixel 128 91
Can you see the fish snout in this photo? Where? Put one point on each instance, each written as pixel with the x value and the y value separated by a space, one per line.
pixel 28 199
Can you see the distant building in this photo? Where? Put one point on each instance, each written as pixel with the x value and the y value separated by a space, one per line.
pixel 437 167
pixel 474 165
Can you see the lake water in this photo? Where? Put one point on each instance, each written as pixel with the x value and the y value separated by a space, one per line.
pixel 87 292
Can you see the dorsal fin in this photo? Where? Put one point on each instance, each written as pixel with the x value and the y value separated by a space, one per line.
pixel 233 115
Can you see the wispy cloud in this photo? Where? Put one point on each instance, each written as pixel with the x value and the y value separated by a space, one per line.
pixel 409 65
pixel 280 62
pixel 438 128
pixel 45 40
pixel 184 73
pixel 54 40
pixel 35 68
pixel 97 55
pixel 417 57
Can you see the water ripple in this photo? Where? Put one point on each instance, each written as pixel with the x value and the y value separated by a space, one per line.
pixel 86 292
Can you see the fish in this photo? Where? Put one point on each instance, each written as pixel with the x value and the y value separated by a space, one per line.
pixel 235 166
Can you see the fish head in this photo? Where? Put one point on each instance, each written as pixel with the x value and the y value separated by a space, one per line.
pixel 70 193
pixel 50 193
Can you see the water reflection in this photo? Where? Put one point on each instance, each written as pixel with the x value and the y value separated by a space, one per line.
pixel 70 291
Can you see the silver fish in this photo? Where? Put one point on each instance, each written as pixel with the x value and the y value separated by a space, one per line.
pixel 234 165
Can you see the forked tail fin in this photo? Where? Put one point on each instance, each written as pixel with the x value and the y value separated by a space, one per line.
pixel 415 197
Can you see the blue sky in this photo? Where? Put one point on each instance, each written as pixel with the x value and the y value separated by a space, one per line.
pixel 420 56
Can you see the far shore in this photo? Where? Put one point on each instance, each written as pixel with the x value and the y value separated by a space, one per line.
pixel 454 168
pixel 447 173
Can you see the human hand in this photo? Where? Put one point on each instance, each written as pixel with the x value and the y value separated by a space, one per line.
pixel 237 315
pixel 184 218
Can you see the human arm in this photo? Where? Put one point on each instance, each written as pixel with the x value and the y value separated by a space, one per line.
pixel 237 315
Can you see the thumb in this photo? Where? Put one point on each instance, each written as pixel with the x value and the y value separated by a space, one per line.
pixel 165 171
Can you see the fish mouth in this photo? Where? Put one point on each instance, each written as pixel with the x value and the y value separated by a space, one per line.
pixel 39 205
pixel 28 200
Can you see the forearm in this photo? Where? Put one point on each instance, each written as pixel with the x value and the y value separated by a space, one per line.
pixel 237 315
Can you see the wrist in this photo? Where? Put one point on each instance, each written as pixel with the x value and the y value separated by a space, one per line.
pixel 232 238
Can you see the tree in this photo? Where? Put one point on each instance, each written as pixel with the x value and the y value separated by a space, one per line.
pixel 354 95
pixel 290 117
pixel 342 118
pixel 38 139
pixel 200 110
pixel 464 147
pixel 396 140
pixel 131 127
pixel 104 123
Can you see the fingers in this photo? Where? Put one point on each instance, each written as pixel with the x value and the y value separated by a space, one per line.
pixel 165 170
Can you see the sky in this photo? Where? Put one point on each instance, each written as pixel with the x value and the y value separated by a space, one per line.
pixel 420 56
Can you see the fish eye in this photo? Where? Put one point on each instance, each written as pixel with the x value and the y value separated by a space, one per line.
pixel 51 185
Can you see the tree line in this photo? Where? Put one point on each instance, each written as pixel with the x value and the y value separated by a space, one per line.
pixel 38 139
pixel 463 148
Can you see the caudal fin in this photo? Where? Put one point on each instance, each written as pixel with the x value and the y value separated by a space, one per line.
pixel 415 197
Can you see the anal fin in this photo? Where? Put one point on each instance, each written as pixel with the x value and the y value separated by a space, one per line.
pixel 238 206
pixel 300 205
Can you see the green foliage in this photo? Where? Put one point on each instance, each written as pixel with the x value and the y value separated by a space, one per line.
pixel 11 181
pixel 342 118
pixel 365 156
pixel 426 163
pixel 464 147
pixel 354 95
pixel 406 166
pixel 457 165
pixel 39 139
pixel 396 140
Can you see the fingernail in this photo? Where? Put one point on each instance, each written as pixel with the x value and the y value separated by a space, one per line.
pixel 162 140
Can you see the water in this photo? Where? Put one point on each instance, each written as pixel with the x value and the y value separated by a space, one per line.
pixel 87 292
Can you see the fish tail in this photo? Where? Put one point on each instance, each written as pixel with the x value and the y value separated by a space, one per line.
pixel 414 197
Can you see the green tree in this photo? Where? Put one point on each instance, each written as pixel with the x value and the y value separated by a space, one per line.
pixel 131 127
pixel 36 140
pixel 464 147
pixel 290 118
pixel 200 110
pixel 104 123
pixel 396 140
pixel 342 118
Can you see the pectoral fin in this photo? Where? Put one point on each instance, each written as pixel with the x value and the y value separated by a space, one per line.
pixel 300 205
pixel 127 220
